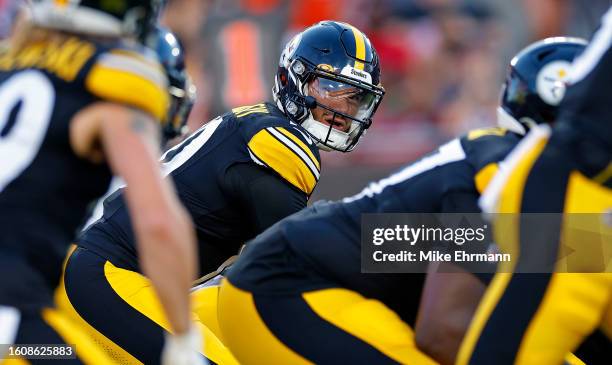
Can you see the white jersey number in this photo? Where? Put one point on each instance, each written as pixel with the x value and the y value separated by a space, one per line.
pixel 26 103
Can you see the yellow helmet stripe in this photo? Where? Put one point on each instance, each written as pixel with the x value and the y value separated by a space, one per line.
pixel 360 50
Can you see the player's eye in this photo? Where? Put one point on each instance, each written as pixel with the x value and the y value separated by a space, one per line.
pixel 356 97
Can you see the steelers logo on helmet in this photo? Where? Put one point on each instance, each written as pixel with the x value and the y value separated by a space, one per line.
pixel 328 81
pixel 551 81
pixel 536 81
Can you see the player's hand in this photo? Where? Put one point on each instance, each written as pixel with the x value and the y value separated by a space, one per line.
pixel 183 349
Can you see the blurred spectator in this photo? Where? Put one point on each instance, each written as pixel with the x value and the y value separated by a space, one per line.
pixel 241 46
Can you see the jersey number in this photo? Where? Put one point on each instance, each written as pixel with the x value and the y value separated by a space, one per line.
pixel 26 103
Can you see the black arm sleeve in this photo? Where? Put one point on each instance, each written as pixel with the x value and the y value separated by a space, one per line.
pixel 265 196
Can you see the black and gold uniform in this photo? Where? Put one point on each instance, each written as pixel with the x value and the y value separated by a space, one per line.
pixel 297 295
pixel 237 175
pixel 45 188
pixel 537 320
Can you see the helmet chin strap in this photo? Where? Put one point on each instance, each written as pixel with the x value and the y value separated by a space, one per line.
pixel 505 120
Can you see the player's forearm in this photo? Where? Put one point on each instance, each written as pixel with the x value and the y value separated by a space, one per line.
pixel 449 299
pixel 164 232
pixel 167 257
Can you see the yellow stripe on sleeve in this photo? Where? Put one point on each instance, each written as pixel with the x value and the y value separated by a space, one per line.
pixel 128 88
pixel 302 145
pixel 284 160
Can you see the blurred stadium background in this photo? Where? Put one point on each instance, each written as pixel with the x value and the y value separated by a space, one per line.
pixel 442 63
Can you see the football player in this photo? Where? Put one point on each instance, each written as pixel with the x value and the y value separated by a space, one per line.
pixel 296 295
pixel 532 91
pixel 564 169
pixel 81 98
pixel 237 175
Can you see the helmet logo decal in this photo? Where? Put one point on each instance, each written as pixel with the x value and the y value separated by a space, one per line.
pixel 357 74
pixel 551 81
pixel 325 67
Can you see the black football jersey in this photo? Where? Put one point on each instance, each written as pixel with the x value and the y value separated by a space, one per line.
pixel 260 135
pixel 584 125
pixel 320 246
pixel 45 188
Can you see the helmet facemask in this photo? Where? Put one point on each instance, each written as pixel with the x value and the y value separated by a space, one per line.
pixel 335 109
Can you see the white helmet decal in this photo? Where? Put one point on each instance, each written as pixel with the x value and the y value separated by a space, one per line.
pixel 551 81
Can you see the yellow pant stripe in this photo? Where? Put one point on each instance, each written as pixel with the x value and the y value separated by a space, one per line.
pixel 138 292
pixel 14 362
pixel 204 303
pixel 571 308
pixel 87 351
pixel 370 321
pixel 246 334
pixel 113 350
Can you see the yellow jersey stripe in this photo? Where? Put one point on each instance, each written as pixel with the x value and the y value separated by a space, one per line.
pixel 359 48
pixel 135 90
pixel 484 176
pixel 271 152
pixel 301 145
pixel 135 65
pixel 297 150
pixel 141 57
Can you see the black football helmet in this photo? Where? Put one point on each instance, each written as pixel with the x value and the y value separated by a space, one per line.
pixel 181 89
pixel 331 70
pixel 117 18
pixel 536 83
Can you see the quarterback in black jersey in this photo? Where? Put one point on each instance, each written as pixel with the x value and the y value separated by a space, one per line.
pixel 564 169
pixel 297 295
pixel 72 112
pixel 237 175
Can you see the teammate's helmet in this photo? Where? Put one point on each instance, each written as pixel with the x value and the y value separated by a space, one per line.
pixel 536 82
pixel 181 89
pixel 108 18
pixel 328 81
